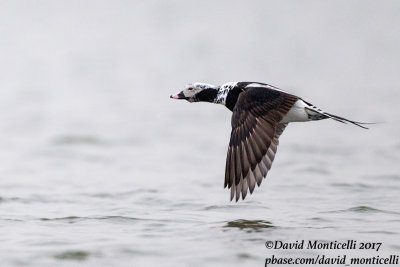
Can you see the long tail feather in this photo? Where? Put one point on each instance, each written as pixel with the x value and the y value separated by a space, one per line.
pixel 315 113
pixel 344 120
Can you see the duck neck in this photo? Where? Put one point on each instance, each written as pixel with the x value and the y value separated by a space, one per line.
pixel 228 95
pixel 208 95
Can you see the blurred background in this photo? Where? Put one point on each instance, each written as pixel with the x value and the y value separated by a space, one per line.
pixel 99 167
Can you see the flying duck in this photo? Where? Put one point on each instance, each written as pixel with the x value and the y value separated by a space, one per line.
pixel 260 114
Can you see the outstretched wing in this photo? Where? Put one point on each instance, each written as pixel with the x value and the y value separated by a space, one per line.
pixel 254 137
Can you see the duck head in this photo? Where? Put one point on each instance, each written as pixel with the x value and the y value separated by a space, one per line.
pixel 197 92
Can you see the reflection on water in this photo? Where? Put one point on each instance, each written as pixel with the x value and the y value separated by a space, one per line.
pixel 73 255
pixel 250 225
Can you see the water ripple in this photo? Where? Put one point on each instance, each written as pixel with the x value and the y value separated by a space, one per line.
pixel 363 209
pixel 78 140
pixel 74 219
pixel 355 185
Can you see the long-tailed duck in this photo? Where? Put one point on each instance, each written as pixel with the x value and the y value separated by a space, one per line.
pixel 260 114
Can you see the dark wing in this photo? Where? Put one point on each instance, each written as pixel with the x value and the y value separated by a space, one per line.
pixel 254 137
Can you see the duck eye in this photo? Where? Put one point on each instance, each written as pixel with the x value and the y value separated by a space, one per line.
pixel 190 88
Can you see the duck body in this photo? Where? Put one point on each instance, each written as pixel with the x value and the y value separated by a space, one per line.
pixel 260 113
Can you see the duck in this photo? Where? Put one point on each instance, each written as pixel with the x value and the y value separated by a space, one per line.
pixel 260 113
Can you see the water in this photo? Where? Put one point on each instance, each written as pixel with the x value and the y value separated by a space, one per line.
pixel 100 168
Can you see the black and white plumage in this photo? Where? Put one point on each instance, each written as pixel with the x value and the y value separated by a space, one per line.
pixel 260 114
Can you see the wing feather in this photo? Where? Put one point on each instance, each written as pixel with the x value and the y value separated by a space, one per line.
pixel 252 181
pixel 254 138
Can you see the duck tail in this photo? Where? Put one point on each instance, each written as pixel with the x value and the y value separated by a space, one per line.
pixel 315 113
pixel 344 120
